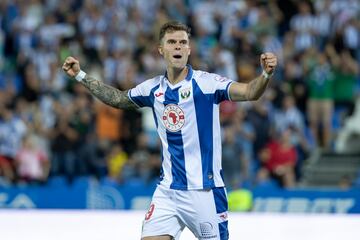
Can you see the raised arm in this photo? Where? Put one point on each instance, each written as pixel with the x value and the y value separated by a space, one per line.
pixel 107 94
pixel 255 88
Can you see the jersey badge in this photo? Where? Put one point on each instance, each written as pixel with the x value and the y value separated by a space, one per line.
pixel 185 93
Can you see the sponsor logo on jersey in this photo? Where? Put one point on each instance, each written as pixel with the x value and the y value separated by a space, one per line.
pixel 173 118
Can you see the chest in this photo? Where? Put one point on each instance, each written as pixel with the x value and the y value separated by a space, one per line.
pixel 181 95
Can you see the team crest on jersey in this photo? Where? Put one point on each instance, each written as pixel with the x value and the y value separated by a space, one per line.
pixel 173 118
pixel 185 93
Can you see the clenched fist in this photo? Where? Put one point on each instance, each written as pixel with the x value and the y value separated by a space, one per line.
pixel 268 62
pixel 71 66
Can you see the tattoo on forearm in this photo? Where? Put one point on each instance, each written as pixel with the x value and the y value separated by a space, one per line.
pixel 256 88
pixel 108 94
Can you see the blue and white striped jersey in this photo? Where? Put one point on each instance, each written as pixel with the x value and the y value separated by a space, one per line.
pixel 187 120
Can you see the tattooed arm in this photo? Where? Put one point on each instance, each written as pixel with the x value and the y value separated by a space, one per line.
pixel 255 88
pixel 107 94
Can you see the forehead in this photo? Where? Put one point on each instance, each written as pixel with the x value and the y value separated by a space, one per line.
pixel 176 35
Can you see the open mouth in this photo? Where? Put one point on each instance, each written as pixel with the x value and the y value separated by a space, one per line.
pixel 177 56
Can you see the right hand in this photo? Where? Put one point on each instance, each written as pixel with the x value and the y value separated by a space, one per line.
pixel 268 62
pixel 71 66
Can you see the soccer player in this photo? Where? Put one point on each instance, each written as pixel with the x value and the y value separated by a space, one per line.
pixel 185 104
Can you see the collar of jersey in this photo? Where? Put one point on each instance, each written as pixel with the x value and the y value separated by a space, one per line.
pixel 188 75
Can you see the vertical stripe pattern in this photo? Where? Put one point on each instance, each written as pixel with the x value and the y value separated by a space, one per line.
pixel 204 117
pixel 175 146
pixel 187 119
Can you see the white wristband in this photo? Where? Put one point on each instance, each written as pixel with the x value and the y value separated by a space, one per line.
pixel 266 75
pixel 80 76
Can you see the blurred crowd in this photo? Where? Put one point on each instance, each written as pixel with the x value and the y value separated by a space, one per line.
pixel 50 126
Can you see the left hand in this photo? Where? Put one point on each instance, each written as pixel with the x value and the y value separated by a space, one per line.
pixel 268 62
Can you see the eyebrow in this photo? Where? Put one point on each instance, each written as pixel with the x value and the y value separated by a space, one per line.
pixel 174 40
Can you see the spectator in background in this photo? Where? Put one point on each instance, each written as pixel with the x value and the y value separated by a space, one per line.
pixel 32 163
pixel 245 136
pixel 108 122
pixel 93 155
pixel 279 159
pixel 142 167
pixel 154 165
pixel 116 160
pixel 302 25
pixel 265 24
pixel 138 167
pixel 92 26
pixel 31 90
pixel 177 10
pixel 322 22
pixel 64 144
pixel 12 130
pixel 233 162
pixel 224 62
pixel 260 116
pixel 319 77
pixel 346 70
pixel 293 76
pixel 7 174
pixel 289 116
pixel 345 182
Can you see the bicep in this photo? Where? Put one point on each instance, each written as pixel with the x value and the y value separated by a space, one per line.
pixel 238 91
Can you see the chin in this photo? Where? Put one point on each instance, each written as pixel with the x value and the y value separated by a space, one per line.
pixel 178 65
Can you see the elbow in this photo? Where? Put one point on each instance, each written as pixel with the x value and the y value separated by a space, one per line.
pixel 251 93
pixel 254 97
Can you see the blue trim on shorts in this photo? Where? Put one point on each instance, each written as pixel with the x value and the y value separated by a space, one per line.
pixel 223 230
pixel 220 199
pixel 221 205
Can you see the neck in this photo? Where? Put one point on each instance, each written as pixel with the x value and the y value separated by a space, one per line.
pixel 176 75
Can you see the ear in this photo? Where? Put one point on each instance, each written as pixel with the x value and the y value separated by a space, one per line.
pixel 160 49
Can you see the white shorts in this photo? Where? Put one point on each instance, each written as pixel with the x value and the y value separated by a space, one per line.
pixel 204 212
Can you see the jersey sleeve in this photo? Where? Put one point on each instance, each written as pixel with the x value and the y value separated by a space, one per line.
pixel 211 83
pixel 142 95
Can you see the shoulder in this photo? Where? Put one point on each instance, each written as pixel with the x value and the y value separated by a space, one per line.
pixel 146 86
pixel 152 82
pixel 210 82
pixel 199 74
pixel 206 76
